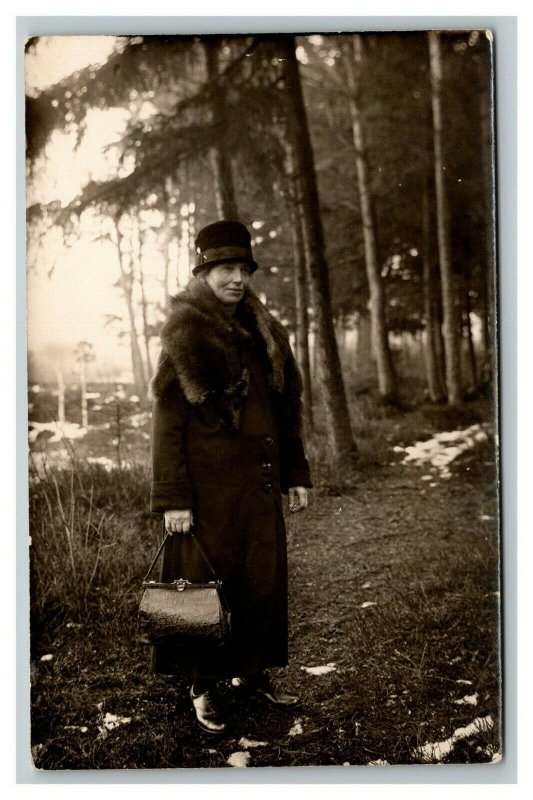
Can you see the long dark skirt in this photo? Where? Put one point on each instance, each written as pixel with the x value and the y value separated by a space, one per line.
pixel 243 532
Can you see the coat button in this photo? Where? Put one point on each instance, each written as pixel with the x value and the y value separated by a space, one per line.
pixel 266 466
pixel 267 488
pixel 268 440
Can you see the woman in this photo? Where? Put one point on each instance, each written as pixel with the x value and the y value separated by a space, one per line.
pixel 225 444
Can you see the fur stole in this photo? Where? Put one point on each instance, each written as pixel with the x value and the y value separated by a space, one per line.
pixel 203 346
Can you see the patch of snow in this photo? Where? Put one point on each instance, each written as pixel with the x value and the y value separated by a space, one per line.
pixel 379 762
pixel 346 764
pixel 485 517
pixel 463 680
pixel 104 461
pixel 84 729
pixel 47 657
pixel 96 408
pixel 366 585
pixel 35 388
pixel 67 430
pixel 322 670
pixel 496 758
pixel 92 395
pixel 427 478
pixel 137 420
pixel 468 700
pixel 247 743
pixel 134 398
pixel 443 448
pixel 367 604
pixel 436 751
pixel 296 729
pixel 239 759
pixel 112 721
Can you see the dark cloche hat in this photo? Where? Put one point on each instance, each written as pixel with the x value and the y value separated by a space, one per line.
pixel 226 240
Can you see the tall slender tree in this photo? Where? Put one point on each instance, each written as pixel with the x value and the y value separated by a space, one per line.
pixel 301 296
pixel 433 368
pixel 353 52
pixel 486 97
pixel 126 284
pixel 146 327
pixel 340 436
pixel 449 290
pixel 220 158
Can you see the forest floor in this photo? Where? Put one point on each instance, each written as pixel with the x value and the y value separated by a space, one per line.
pixel 394 644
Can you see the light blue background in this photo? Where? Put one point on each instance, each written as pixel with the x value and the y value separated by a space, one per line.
pixel 505 38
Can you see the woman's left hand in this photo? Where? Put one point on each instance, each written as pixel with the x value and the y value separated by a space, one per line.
pixel 297 499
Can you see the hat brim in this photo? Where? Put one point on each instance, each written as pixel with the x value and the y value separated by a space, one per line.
pixel 213 263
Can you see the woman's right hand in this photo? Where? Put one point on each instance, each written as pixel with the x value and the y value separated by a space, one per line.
pixel 178 521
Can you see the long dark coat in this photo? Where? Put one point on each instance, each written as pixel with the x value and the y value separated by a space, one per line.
pixel 226 443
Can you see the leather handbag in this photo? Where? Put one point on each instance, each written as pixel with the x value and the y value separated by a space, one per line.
pixel 182 611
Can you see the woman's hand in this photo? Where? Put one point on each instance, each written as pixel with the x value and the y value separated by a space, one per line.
pixel 178 521
pixel 297 499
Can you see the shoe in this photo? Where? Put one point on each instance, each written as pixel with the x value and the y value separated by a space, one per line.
pixel 207 713
pixel 261 686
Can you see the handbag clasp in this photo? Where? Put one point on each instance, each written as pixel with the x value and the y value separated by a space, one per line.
pixel 181 584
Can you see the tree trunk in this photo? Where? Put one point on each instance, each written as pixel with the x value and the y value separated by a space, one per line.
pixel 470 341
pixel 139 378
pixel 449 292
pixel 433 373
pixel 439 343
pixel 301 295
pixel 220 162
pixel 489 167
pixel 144 308
pixel 83 387
pixel 364 362
pixel 192 228
pixel 380 340
pixel 341 334
pixel 300 276
pixel 168 235
pixel 341 442
pixel 60 395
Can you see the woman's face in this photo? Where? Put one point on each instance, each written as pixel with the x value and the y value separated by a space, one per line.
pixel 229 280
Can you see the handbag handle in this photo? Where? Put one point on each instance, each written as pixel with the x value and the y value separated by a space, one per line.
pixel 199 546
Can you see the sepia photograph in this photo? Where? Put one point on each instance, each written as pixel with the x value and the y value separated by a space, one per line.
pixel 263 412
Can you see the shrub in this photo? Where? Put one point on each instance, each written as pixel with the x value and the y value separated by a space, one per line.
pixel 83 521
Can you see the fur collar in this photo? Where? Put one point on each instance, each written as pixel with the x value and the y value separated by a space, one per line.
pixel 202 346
